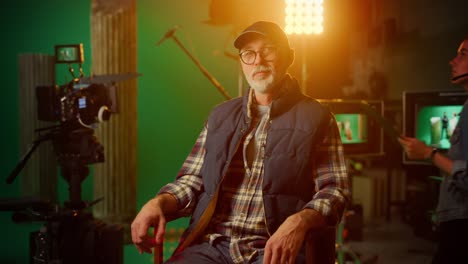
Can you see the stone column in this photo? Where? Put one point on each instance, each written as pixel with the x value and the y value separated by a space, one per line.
pixel 39 177
pixel 113 39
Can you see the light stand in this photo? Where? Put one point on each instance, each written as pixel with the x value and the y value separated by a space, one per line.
pixel 303 18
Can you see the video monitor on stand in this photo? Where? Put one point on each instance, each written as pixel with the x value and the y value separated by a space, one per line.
pixel 361 134
pixel 431 116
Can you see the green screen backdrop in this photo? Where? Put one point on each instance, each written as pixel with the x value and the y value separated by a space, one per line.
pixel 174 97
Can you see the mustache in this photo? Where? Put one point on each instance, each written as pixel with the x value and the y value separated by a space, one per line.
pixel 261 69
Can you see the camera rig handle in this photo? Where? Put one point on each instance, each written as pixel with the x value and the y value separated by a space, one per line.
pixel 26 157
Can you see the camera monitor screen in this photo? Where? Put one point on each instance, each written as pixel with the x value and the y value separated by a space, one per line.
pixel 431 116
pixel 353 128
pixel 361 134
pixel 435 124
pixel 72 53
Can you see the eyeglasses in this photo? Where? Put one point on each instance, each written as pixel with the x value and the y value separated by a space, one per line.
pixel 267 53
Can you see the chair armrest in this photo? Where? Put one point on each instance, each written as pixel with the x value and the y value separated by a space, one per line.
pixel 158 254
pixel 320 246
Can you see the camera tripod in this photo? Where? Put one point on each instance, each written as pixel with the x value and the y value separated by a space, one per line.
pixel 70 234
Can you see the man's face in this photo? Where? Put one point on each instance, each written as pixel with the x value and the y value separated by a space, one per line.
pixel 460 64
pixel 264 65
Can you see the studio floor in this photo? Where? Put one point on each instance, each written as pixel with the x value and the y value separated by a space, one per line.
pixel 391 242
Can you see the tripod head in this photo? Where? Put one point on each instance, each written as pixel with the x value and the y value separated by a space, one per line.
pixel 75 150
pixel 75 147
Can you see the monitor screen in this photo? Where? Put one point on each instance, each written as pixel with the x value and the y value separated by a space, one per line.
pixel 360 132
pixel 435 124
pixel 431 116
pixel 353 127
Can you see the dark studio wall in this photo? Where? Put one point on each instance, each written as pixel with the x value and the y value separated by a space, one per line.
pixel 409 42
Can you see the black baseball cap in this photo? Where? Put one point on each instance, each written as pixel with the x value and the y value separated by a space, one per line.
pixel 262 28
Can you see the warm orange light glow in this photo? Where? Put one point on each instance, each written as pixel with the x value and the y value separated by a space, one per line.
pixel 304 17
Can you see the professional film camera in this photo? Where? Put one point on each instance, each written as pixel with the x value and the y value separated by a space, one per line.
pixel 70 233
pixel 83 100
pixel 75 101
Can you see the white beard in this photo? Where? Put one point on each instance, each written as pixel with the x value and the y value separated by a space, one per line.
pixel 261 85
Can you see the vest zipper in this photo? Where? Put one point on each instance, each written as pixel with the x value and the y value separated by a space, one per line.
pixel 263 195
pixel 263 178
pixel 264 218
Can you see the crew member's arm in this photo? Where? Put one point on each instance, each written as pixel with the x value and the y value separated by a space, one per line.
pixel 415 149
pixel 418 150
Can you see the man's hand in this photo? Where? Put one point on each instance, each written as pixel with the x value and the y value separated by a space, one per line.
pixel 150 215
pixel 285 243
pixel 415 148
